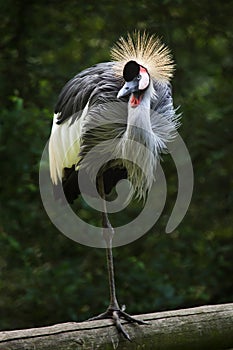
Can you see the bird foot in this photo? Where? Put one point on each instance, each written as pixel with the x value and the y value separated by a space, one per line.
pixel 116 314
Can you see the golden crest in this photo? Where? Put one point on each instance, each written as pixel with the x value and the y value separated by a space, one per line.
pixel 148 51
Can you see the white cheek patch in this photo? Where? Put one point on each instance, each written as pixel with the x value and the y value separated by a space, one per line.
pixel 145 79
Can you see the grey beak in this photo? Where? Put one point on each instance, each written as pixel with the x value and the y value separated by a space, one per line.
pixel 128 88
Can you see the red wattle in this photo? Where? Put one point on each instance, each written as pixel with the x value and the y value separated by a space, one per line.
pixel 134 101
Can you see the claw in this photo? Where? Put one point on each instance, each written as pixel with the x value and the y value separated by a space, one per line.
pixel 119 326
pixel 116 315
pixel 129 318
pixel 102 316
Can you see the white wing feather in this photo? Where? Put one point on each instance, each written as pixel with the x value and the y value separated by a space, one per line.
pixel 64 145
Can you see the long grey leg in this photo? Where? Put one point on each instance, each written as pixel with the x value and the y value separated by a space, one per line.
pixel 114 312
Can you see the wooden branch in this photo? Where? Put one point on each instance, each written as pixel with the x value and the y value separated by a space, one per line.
pixel 205 327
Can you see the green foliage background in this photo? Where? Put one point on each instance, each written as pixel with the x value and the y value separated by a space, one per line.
pixel 45 277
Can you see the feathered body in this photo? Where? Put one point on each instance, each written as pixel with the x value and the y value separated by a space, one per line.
pixel 96 124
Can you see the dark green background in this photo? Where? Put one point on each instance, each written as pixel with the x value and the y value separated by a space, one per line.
pixel 45 277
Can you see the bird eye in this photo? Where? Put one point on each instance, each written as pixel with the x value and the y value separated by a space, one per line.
pixel 139 77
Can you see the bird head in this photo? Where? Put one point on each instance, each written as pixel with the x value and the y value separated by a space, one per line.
pixel 140 59
pixel 137 80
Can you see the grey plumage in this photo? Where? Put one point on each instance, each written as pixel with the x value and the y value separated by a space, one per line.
pixel 106 121
pixel 95 84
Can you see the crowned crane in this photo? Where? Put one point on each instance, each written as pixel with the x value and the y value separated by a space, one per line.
pixel 85 117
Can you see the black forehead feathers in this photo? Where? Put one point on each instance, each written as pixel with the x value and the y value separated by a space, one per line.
pixel 131 70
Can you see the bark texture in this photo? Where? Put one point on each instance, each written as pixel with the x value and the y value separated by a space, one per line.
pixel 205 327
